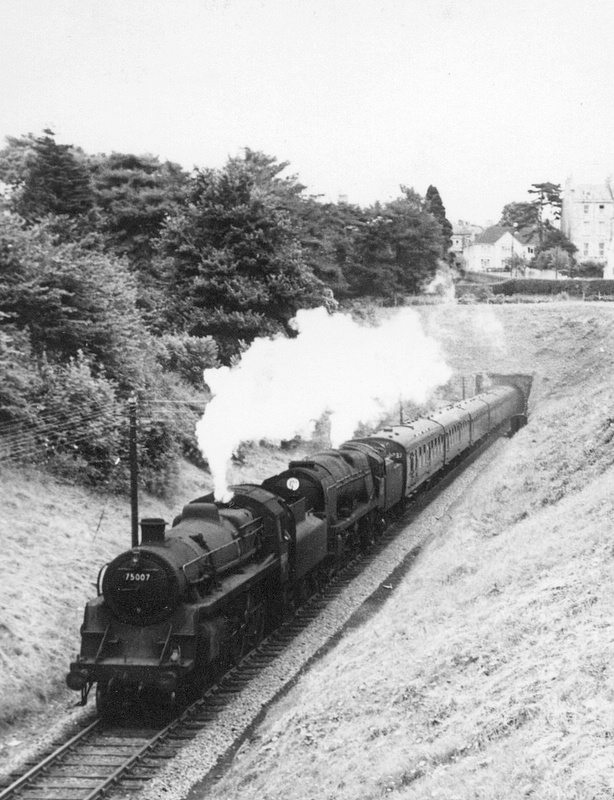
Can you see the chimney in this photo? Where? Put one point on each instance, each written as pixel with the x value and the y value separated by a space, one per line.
pixel 152 530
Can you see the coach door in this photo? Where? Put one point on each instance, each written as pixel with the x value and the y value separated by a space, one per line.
pixel 413 468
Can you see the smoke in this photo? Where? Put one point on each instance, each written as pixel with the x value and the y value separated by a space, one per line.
pixel 282 387
pixel 442 284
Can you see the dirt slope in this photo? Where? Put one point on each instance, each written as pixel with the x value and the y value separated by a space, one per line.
pixel 488 673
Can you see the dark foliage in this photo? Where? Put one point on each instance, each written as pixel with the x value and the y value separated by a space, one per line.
pixel 121 274
pixel 434 205
pixel 188 356
pixel 520 216
pixel 575 288
pixel 69 299
pixel 237 266
pixel 134 195
pixel 395 251
pixel 55 181
pixel 553 237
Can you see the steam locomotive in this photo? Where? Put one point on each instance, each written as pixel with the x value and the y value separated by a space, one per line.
pixel 176 612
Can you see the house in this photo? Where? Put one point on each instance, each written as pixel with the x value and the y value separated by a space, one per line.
pixel 587 219
pixel 491 250
pixel 463 235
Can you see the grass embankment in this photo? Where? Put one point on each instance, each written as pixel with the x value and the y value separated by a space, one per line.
pixel 55 537
pixel 488 673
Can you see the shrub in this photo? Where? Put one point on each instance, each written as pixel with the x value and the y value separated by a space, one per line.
pixel 187 355
pixel 80 430
pixel 19 376
pixel 71 299
pixel 588 269
pixel 539 286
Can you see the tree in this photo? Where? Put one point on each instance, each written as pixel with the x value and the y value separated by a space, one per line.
pixel 553 237
pixel 54 181
pixel 517 265
pixel 234 257
pixel 547 195
pixel 434 205
pixel 555 259
pixel 327 233
pixel 14 158
pixel 69 299
pixel 134 195
pixel 519 215
pixel 396 251
pixel 19 378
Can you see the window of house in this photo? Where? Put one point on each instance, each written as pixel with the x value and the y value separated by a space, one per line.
pixel 586 209
pixel 601 209
pixel 585 250
pixel 601 248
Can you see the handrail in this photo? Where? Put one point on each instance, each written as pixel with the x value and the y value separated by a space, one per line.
pixel 102 643
pixel 168 638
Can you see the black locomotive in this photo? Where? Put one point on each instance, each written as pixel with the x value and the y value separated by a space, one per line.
pixel 175 612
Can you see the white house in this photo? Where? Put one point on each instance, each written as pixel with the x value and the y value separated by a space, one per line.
pixel 491 250
pixel 587 218
pixel 463 235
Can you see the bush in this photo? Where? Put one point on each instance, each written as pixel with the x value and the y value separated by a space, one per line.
pixel 80 431
pixel 588 269
pixel 187 355
pixel 70 299
pixel 167 420
pixel 474 293
pixel 538 286
pixel 19 376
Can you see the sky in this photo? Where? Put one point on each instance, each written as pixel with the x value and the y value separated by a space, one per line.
pixel 480 98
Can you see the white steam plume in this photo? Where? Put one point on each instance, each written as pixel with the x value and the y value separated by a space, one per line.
pixel 281 387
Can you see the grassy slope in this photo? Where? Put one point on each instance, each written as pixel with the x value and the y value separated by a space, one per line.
pixel 55 538
pixel 488 673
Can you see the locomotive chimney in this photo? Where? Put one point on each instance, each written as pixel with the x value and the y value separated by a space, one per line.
pixel 152 530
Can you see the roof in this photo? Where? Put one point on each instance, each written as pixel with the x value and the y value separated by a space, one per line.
pixel 598 193
pixel 493 234
pixel 528 235
pixel 466 228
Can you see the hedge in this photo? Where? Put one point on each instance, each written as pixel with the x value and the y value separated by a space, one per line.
pixel 574 288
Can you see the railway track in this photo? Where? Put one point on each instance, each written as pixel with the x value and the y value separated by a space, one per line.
pixel 104 757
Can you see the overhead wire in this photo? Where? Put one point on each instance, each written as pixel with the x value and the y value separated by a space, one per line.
pixel 50 415
pixel 31 441
pixel 25 438
pixel 52 429
pixel 33 447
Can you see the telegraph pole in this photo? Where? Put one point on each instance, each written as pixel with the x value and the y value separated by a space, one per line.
pixel 134 471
